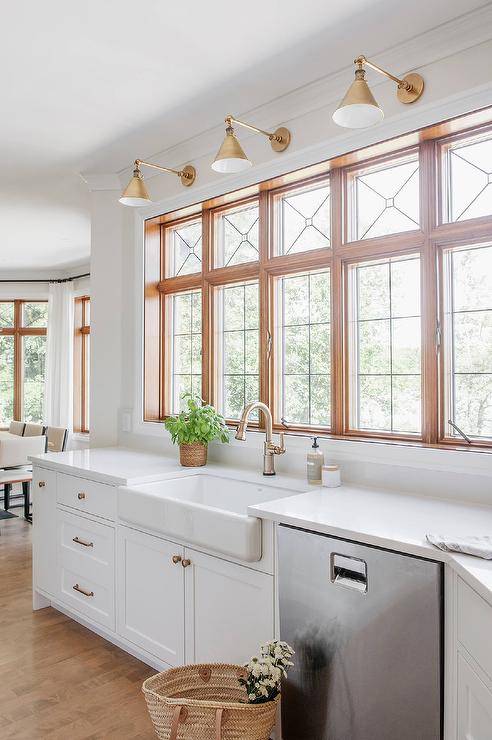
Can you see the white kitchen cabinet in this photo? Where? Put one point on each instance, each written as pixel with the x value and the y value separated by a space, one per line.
pixel 229 610
pixel 44 541
pixel 474 704
pixel 150 594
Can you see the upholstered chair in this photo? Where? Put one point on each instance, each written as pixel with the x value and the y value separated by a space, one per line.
pixel 34 430
pixel 17 427
pixel 57 438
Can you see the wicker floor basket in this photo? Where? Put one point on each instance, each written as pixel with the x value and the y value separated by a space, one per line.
pixel 206 702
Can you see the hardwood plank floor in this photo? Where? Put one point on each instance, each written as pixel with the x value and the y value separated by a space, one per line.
pixel 59 680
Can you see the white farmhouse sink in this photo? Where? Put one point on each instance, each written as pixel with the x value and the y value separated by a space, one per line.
pixel 202 509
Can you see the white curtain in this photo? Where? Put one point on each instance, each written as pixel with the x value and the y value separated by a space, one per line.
pixel 59 356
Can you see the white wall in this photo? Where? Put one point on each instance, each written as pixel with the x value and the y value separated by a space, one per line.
pixel 456 64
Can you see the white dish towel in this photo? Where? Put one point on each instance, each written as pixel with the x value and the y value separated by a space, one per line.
pixel 480 547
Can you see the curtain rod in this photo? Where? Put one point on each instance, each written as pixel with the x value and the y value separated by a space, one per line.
pixel 50 280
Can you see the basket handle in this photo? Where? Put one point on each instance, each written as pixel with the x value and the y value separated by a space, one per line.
pixel 180 714
pixel 219 718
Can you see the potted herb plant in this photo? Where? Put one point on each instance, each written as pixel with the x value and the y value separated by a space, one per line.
pixel 193 428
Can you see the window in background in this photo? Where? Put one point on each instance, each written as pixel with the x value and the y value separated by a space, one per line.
pixel 384 199
pixel 184 248
pixel 237 235
pixel 467 186
pixel 302 356
pixel 468 340
pixel 184 347
pixel 237 347
pixel 303 219
pixel 22 360
pixel 81 364
pixel 384 346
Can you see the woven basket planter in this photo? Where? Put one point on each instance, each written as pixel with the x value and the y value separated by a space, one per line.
pixel 193 455
pixel 206 702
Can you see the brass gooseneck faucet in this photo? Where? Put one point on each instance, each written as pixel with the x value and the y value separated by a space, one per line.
pixel 269 448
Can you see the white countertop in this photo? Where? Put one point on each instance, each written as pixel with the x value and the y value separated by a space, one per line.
pixel 386 519
pixel 119 466
pixel 391 520
pixel 114 465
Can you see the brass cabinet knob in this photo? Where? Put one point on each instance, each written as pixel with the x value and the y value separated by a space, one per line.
pixel 41 484
pixel 185 563
pixel 81 496
pixel 176 559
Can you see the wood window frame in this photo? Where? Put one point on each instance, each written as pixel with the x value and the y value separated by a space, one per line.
pixel 82 332
pixel 427 241
pixel 18 331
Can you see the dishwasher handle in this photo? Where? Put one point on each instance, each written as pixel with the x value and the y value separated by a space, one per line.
pixel 348 572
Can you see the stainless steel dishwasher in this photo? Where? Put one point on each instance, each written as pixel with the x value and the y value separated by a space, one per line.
pixel 366 625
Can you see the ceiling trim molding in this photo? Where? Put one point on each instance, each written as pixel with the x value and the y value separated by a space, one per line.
pixel 101 181
pixel 439 43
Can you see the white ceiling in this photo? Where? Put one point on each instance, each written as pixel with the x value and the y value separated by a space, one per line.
pixel 88 86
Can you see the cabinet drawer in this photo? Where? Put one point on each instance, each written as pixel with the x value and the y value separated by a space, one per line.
pixel 475 626
pixel 88 596
pixel 86 495
pixel 84 541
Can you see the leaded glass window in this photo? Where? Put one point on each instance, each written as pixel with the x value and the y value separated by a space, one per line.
pixel 468 340
pixel 385 199
pixel 385 345
pixel 303 219
pixel 468 186
pixel 237 236
pixel 237 348
pixel 303 348
pixel 184 249
pixel 185 327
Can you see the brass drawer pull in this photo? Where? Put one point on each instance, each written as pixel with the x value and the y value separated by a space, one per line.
pixel 82 591
pixel 176 559
pixel 78 541
pixel 41 484
pixel 185 563
pixel 81 496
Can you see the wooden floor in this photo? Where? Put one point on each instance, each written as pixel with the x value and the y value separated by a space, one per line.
pixel 57 679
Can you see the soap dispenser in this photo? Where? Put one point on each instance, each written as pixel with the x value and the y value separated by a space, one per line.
pixel 315 462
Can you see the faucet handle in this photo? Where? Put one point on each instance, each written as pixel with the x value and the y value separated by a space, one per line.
pixel 277 449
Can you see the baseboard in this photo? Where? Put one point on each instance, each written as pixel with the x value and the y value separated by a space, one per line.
pixel 112 637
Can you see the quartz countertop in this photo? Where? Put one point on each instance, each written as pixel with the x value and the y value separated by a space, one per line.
pixel 391 520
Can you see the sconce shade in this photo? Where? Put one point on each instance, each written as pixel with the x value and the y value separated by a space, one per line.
pixel 135 194
pixel 231 156
pixel 358 109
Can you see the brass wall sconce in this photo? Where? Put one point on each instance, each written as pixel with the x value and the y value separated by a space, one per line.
pixel 359 109
pixel 231 156
pixel 136 193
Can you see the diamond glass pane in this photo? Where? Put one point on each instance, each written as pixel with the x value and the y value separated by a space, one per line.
pixel 468 340
pixel 6 314
pixel 386 200
pixel 385 346
pixel 185 249
pixel 304 220
pixel 35 315
pixel 186 345
pixel 238 347
pixel 6 380
pixel 237 236
pixel 469 179
pixel 34 355
pixel 303 349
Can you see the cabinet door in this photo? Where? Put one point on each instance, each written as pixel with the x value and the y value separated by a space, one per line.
pixel 44 544
pixel 229 610
pixel 474 704
pixel 151 594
